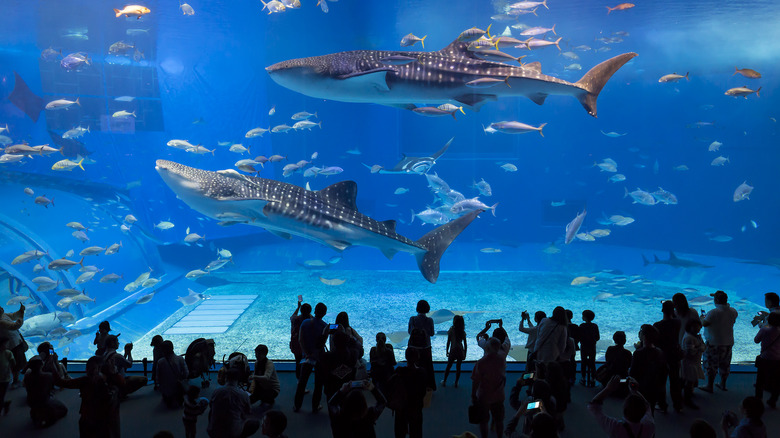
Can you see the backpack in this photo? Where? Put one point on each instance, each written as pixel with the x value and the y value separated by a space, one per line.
pixel 398 398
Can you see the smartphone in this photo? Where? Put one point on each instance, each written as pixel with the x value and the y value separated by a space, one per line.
pixel 300 298
pixel 534 405
pixel 334 326
pixel 356 384
pixel 623 380
pixel 528 376
pixel 51 352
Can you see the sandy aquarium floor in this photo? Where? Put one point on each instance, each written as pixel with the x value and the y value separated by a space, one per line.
pixel 384 301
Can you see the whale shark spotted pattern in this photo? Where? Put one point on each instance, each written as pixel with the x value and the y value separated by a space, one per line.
pixel 433 77
pixel 328 216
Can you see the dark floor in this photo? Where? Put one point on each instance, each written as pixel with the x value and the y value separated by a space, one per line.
pixel 143 414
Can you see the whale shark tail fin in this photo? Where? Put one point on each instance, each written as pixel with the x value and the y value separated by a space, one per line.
pixel 595 79
pixel 437 241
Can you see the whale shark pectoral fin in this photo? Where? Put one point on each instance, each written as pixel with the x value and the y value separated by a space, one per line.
pixel 474 100
pixel 338 245
pixel 282 234
pixel 389 253
pixel 342 193
pixel 376 78
pixel 538 98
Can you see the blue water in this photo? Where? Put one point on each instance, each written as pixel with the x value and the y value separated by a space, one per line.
pixel 202 78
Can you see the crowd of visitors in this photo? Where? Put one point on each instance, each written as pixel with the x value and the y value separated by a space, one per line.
pixel 667 363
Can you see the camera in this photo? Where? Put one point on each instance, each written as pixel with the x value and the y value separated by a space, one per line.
pixel 495 321
pixel 333 327
pixel 356 384
pixel 534 406
pixel 51 352
pixel 528 376
pixel 300 298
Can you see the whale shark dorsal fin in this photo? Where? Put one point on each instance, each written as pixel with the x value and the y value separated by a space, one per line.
pixel 672 256
pixel 376 78
pixel 460 49
pixel 390 224
pixel 535 66
pixel 343 193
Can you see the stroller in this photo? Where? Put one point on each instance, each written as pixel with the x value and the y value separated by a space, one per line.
pixel 200 358
pixel 238 361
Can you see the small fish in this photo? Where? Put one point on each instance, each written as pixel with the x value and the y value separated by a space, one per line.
pixel 272 111
pixel 736 92
pixel 618 177
pixel 472 34
pixel 487 82
pixel 483 187
pixel 29 192
pixel 164 225
pixel 195 274
pixel 110 278
pixel 303 115
pixel 113 249
pixel 148 297
pixel 238 148
pixel 714 146
pixel 305 124
pixel 742 193
pixel 582 280
pixel 585 237
pixel 432 111
pixel 123 114
pixel 256 132
pixel 720 161
pixel 754 224
pixel 535 31
pixel 129 10
pixel 674 77
pixel 613 134
pixel 400 191
pixel 620 7
pixel 557 203
pixel 599 232
pixel 274 6
pixel 509 167
pixel 67 165
pixel 680 168
pixel 225 254
pixel 62 104
pixel 490 250
pixel 411 39
pixel 186 9
pixel 721 238
pixel 512 127
pixel 747 72
pixel 332 281
pixel 281 128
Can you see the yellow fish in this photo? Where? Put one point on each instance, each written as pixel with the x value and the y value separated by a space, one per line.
pixel 132 10
pixel 67 165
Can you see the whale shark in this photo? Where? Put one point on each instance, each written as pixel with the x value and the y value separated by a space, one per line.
pixel 329 216
pixel 674 261
pixel 432 78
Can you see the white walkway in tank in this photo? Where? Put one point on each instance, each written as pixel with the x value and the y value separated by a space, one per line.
pixel 212 316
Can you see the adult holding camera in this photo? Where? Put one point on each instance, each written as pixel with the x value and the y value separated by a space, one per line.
pixel 350 415
pixel 552 337
pixel 122 362
pixel 487 390
pixel 499 333
pixel 531 331
pixel 637 422
pixel 420 333
pixel 295 330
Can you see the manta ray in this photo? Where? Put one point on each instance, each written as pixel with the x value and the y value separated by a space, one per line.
pixel 415 165
pixel 24 99
pixel 329 216
pixel 432 77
